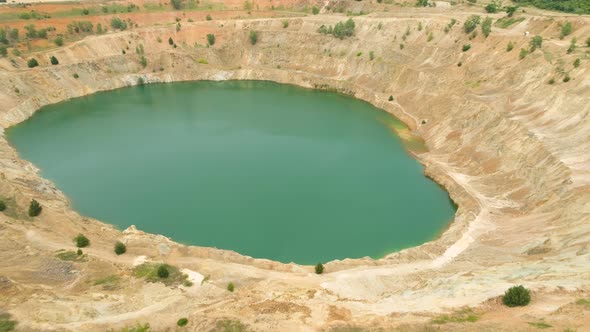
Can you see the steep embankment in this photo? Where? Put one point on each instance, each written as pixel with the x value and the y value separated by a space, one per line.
pixel 512 150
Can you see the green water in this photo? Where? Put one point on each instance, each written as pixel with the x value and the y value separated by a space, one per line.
pixel 268 170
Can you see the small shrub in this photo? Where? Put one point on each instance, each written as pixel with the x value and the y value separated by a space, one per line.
pixel 81 241
pixel 588 42
pixel 211 39
pixel 459 64
pixel 59 41
pixel 510 10
pixel 182 322
pixel 371 55
pixel 466 47
pixel 419 26
pixel 401 46
pixel 230 287
pixel 285 24
pixel 178 26
pixel 32 63
pixel 572 46
pixel 390 98
pixel 315 10
pixel 486 26
pixel 566 29
pixel 208 18
pixel 143 61
pixel 471 23
pixel 120 248
pixel 34 208
pixel 421 3
pixel 176 4
pixel 430 37
pixel 536 42
pixel 85 11
pixel 117 23
pixel 523 53
pixel 163 272
pixel 6 323
pixel 140 81
pixel 319 268
pixel 576 65
pixel 491 7
pixel 2 206
pixel 3 51
pixel 170 41
pixel 516 296
pixel 54 60
pixel 509 47
pixel 76 75
pixel 253 36
pixel 551 81
pixel 79 252
pixel 566 78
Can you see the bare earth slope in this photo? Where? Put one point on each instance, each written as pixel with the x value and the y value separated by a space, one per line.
pixel 512 150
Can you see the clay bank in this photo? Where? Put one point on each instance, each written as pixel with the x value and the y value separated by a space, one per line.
pixel 511 150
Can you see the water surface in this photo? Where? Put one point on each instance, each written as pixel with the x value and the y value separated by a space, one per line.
pixel 268 170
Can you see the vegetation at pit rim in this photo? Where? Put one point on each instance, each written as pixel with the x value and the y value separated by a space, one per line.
pixel 319 268
pixel 120 248
pixel 81 241
pixel 150 272
pixel 517 296
pixel 568 6
pixel 341 30
pixel 34 208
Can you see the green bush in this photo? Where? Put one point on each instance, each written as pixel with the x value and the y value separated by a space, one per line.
pixel 568 6
pixel 6 324
pixel 54 60
pixel 486 26
pixel 421 3
pixel 509 47
pixel 176 4
pixel 79 252
pixel 576 65
pixel 32 63
pixel 566 29
pixel 182 322
pixel 253 37
pixel 3 51
pixel 510 10
pixel 588 42
pixel 34 207
pixel 551 81
pixel 572 46
pixel 466 47
pixel 76 75
pixel 163 272
pixel 566 78
pixel 143 61
pixel 59 41
pixel 81 241
pixel 211 39
pixel 315 10
pixel 170 41
pixel 208 18
pixel 516 296
pixel 120 248
pixel 117 23
pixel 471 23
pixel 286 24
pixel 230 287
pixel 319 268
pixel 491 7
pixel 2 206
pixel 523 53
pixel 536 42
pixel 340 30
pixel 390 98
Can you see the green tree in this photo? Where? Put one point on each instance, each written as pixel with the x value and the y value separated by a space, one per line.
pixel 315 10
pixel 253 37
pixel 319 268
pixel 54 60
pixel 81 241
pixel 230 287
pixel 117 23
pixel 163 272
pixel 516 296
pixel 182 322
pixel 34 207
pixel 170 41
pixel 211 39
pixel 120 248
pixel 486 26
pixel 466 47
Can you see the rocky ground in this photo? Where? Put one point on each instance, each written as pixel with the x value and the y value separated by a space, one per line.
pixel 508 137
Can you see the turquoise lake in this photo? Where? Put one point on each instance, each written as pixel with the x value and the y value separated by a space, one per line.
pixel 268 170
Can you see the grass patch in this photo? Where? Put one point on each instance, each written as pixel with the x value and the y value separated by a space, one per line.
pixel 463 316
pixel 540 325
pixel 149 272
pixel 505 22
pixel 71 256
pixel 108 282
pixel 203 61
pixel 229 325
pixel 6 324
pixel 583 302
